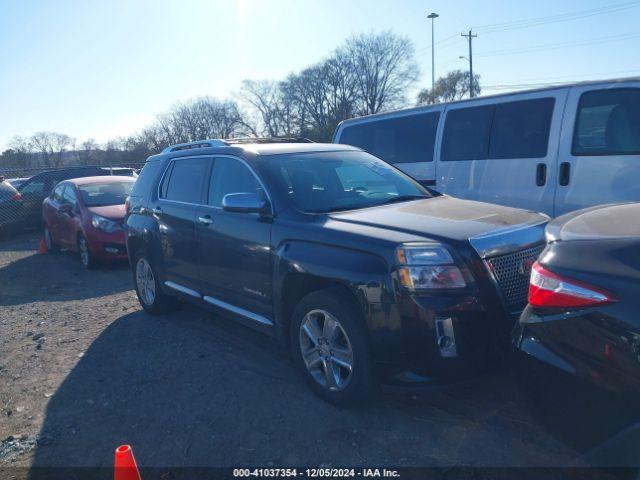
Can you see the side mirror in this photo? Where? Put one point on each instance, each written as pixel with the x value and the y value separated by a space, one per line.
pixel 66 208
pixel 244 203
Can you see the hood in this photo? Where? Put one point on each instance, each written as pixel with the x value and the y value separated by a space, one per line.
pixel 600 222
pixel 112 212
pixel 485 225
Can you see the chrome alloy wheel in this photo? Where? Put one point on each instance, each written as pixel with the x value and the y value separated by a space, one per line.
pixel 326 350
pixel 145 282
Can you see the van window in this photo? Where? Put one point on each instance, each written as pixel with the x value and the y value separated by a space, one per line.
pixel 406 139
pixel 521 129
pixel 608 123
pixel 466 133
pixel 184 182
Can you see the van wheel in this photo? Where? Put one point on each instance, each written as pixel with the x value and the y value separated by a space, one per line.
pixel 329 346
pixel 48 240
pixel 88 262
pixel 148 290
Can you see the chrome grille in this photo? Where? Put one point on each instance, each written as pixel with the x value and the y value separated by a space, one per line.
pixel 512 275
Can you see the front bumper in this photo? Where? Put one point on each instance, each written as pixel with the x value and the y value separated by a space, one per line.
pixel 439 340
pixel 107 246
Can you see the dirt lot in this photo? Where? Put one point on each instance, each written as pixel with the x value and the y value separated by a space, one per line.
pixel 84 369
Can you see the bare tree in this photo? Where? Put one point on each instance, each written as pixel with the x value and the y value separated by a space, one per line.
pixel 266 98
pixel 454 86
pixel 88 152
pixel 18 154
pixel 384 67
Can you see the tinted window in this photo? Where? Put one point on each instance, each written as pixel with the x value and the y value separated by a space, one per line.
pixel 331 181
pixel 145 179
pixel 230 176
pixel 521 129
pixel 466 133
pixel 105 194
pixel 404 139
pixel 57 193
pixel 608 123
pixel 35 187
pixel 69 195
pixel 184 182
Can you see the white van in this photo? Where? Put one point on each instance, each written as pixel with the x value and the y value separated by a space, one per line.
pixel 552 150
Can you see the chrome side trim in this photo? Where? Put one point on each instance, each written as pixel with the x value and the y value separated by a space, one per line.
pixel 238 310
pixel 509 240
pixel 182 289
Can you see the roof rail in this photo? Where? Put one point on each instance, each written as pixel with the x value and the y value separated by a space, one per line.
pixel 217 142
pixel 243 140
pixel 199 144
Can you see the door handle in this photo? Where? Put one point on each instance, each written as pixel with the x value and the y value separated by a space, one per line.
pixel 156 211
pixel 206 220
pixel 541 174
pixel 565 174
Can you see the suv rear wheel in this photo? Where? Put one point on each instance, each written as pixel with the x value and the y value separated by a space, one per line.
pixel 149 291
pixel 329 345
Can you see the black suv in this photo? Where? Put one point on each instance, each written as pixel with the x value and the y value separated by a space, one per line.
pixel 358 269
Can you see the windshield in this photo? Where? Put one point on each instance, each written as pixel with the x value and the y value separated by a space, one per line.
pixel 105 194
pixel 332 181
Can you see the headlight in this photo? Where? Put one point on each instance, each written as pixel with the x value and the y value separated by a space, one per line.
pixel 427 266
pixel 104 224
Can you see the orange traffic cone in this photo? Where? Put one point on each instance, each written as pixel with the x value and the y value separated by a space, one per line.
pixel 42 246
pixel 125 464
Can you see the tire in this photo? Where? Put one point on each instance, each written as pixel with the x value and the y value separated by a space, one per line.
pixel 329 355
pixel 86 258
pixel 148 289
pixel 48 240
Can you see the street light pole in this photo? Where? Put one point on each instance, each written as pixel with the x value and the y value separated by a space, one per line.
pixel 433 16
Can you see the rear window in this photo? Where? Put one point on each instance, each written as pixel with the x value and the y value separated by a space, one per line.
pixel 405 139
pixel 608 123
pixel 146 179
pixel 521 129
pixel 183 182
pixel 466 134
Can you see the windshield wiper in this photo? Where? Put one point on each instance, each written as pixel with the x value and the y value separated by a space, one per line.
pixel 403 198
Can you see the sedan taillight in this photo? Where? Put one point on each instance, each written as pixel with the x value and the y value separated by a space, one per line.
pixel 17 197
pixel 550 290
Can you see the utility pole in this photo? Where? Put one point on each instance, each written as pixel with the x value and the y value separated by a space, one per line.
pixel 433 16
pixel 470 36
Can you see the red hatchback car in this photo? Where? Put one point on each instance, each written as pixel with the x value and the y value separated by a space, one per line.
pixel 86 215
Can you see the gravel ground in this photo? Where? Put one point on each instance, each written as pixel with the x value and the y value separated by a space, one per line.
pixel 83 369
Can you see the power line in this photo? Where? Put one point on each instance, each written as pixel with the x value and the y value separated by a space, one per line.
pixel 556 46
pixel 532 22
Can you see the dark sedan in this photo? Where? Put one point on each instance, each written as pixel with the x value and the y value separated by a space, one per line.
pixel 578 340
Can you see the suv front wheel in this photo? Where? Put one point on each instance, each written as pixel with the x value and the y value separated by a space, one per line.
pixel 150 294
pixel 329 345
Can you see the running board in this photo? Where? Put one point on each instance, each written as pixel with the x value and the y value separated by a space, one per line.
pixel 238 310
pixel 185 290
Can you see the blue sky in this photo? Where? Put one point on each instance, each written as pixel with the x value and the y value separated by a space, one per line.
pixel 101 69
